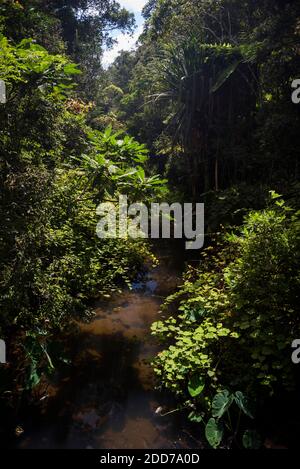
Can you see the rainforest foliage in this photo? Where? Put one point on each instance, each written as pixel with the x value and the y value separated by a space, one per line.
pixel 55 170
pixel 237 314
pixel 205 102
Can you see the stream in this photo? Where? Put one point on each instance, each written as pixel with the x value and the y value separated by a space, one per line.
pixel 107 399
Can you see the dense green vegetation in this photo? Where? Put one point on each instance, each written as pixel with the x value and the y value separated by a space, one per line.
pixel 238 311
pixel 55 170
pixel 204 102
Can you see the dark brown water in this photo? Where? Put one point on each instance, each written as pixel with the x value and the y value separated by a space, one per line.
pixel 108 399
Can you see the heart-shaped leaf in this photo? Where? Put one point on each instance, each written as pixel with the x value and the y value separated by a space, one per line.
pixel 221 403
pixel 214 432
pixel 243 403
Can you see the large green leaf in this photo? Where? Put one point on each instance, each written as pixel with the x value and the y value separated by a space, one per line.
pixel 196 385
pixel 214 432
pixel 221 403
pixel 243 403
